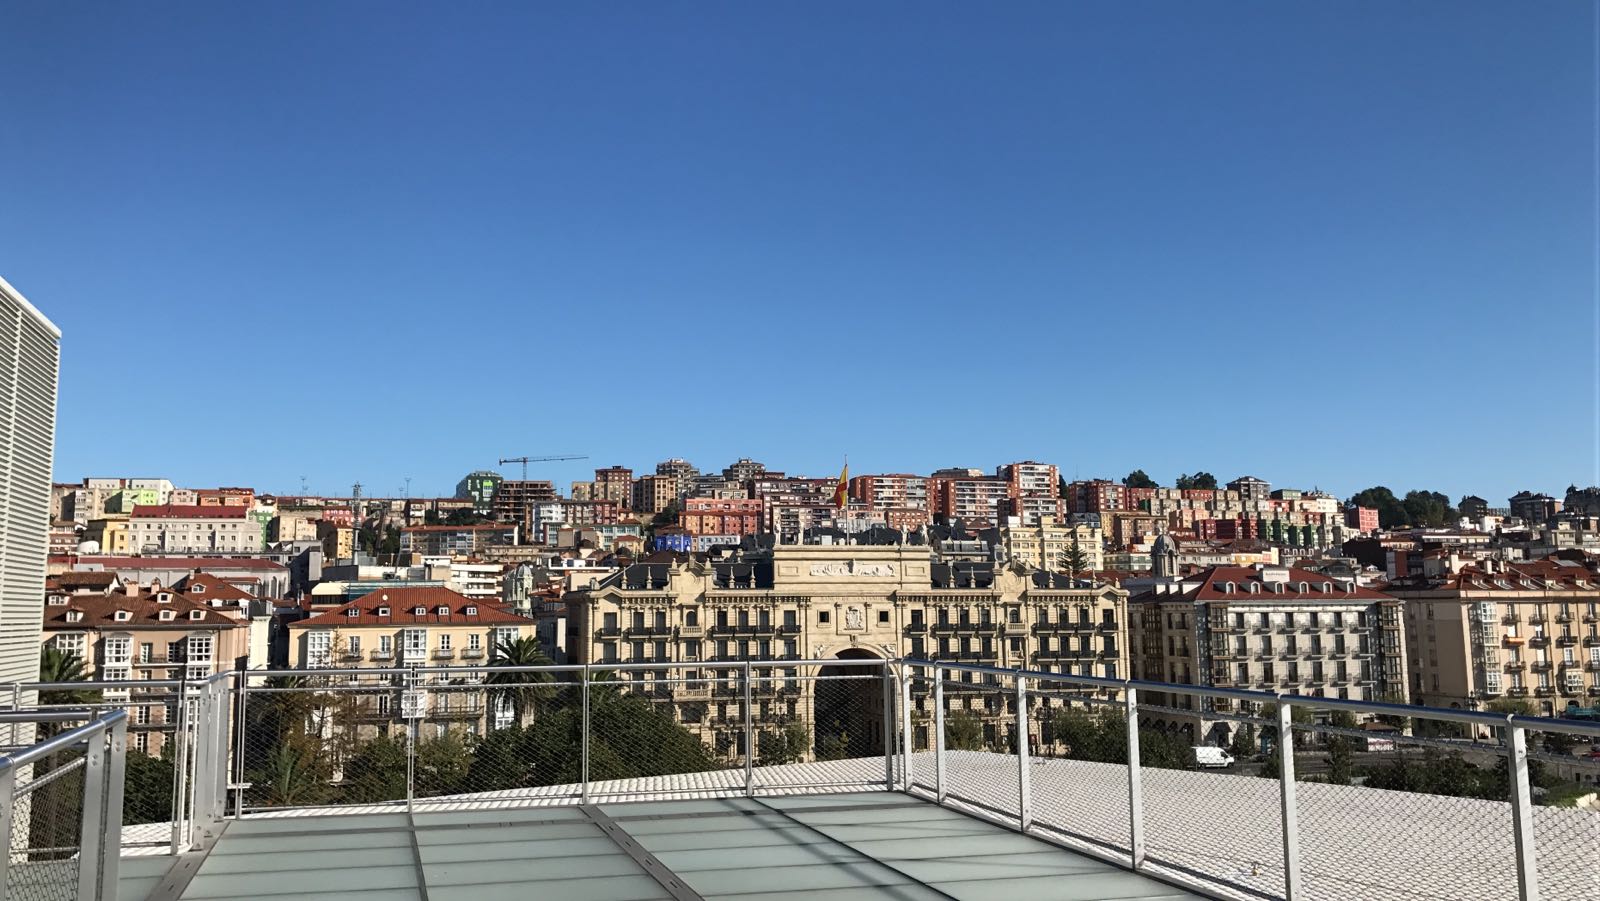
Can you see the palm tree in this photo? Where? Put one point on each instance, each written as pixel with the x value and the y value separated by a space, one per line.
pixel 61 666
pixel 526 693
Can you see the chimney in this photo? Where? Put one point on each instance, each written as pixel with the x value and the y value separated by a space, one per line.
pixel 131 587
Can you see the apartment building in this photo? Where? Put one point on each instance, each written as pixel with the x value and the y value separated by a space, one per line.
pixel 591 512
pixel 614 483
pixel 890 491
pixel 652 494
pixel 967 495
pixel 1044 544
pixel 1487 630
pixel 455 541
pixel 479 488
pixel 1265 628
pixel 410 626
pixel 743 470
pixel 837 601
pixel 133 634
pixel 194 529
pixel 714 516
pixel 513 499
pixel 1097 496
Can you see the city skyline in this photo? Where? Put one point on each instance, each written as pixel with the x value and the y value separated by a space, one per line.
pixel 934 237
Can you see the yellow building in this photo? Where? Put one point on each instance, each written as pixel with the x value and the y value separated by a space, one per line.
pixel 1046 545
pixel 111 533
pixel 399 627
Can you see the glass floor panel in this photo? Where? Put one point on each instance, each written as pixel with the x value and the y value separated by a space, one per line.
pixel 865 846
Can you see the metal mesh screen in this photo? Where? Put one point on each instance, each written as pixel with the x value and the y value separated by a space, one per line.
pixel 1080 764
pixel 980 759
pixel 46 820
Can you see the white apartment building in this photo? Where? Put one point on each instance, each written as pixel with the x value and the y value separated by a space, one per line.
pixel 172 528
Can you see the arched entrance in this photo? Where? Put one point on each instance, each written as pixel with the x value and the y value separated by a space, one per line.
pixel 848 711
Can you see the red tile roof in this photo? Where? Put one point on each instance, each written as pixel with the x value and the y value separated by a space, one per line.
pixel 188 511
pixel 189 563
pixel 402 602
pixel 1210 585
pixel 99 612
pixel 204 588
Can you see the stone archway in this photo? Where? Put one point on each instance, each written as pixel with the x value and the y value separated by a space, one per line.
pixel 848 708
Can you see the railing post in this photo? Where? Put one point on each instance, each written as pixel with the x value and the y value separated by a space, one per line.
pixel 91 827
pixel 180 767
pixel 1291 823
pixel 1024 798
pixel 749 735
pixel 583 735
pixel 938 733
pixel 907 740
pixel 242 686
pixel 1521 811
pixel 1135 782
pixel 224 718
pixel 888 729
pixel 116 771
pixel 200 794
pixel 8 790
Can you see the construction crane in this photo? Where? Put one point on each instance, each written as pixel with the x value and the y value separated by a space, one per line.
pixel 526 460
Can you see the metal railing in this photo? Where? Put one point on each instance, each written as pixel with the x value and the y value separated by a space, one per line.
pixel 60 804
pixel 561 734
pixel 1361 799
pixel 1324 798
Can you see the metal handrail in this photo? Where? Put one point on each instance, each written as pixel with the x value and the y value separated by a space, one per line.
pixel 59 742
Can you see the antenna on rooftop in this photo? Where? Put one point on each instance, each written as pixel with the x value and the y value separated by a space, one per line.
pixel 305 487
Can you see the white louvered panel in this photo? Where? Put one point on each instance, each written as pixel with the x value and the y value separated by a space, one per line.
pixel 29 362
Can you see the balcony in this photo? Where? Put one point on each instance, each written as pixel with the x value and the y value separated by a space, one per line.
pixel 380 656
pixel 472 654
pixel 443 654
pixel 1514 666
pixel 1511 619
pixel 694 631
pixel 1517 691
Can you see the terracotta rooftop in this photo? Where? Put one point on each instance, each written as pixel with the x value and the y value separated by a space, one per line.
pixel 402 604
pixel 145 611
pixel 189 511
pixel 188 563
pixel 204 588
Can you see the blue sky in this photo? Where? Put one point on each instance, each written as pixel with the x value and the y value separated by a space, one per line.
pixel 1327 244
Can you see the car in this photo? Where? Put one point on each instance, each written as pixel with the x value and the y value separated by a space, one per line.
pixel 1207 756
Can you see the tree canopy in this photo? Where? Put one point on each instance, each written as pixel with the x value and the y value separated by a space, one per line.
pixel 1138 479
pixel 1428 509
pixel 1202 480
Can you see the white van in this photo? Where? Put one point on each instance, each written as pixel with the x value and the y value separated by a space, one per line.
pixel 1205 756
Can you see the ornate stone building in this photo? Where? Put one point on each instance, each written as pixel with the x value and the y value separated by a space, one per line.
pixel 836 602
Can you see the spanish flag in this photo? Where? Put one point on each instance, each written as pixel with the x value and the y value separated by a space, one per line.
pixel 842 491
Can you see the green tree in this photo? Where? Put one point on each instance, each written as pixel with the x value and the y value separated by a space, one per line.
pixel 147 787
pixel 1245 744
pixel 962 732
pixel 1517 706
pixel 59 666
pixel 464 517
pixel 1201 480
pixel 1390 511
pixel 629 738
pixel 377 772
pixel 1074 559
pixel 1138 479
pixel 1341 749
pixel 293 774
pixel 785 745
pixel 1429 508
pixel 526 693
pixel 443 763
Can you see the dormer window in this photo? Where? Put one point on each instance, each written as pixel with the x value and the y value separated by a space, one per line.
pixel 197 614
pixel 442 610
pixel 74 616
pixel 1229 587
pixel 165 615
pixel 383 611
pixel 163 598
pixel 1302 588
pixel 472 611
pixel 419 611
pixel 1255 587
pixel 197 589
pixel 353 612
pixel 122 616
pixel 1327 588
pixel 57 600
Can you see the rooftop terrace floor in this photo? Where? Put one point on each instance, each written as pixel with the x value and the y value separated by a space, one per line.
pixel 798 848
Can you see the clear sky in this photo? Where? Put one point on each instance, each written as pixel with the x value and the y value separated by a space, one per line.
pixel 1328 244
